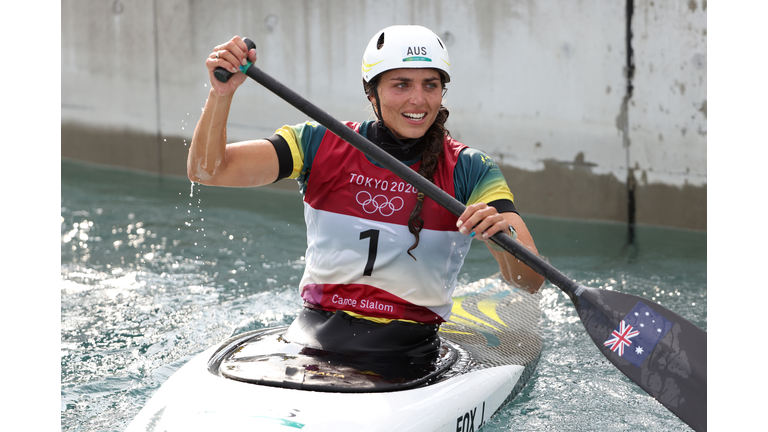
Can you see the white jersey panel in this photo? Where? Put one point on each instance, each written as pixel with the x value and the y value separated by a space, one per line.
pixel 349 245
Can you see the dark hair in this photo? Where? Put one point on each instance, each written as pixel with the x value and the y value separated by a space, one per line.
pixel 430 156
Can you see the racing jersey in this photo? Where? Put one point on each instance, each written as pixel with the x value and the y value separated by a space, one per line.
pixel 357 212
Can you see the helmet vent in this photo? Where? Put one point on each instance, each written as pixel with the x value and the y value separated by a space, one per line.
pixel 380 43
pixel 438 41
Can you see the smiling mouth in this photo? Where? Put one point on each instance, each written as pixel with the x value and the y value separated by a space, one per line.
pixel 414 116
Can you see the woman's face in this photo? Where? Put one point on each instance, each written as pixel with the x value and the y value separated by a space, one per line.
pixel 410 100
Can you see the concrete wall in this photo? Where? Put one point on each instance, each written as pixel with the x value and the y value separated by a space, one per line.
pixel 547 88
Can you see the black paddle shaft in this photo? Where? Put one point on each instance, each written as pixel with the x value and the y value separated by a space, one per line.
pixel 674 373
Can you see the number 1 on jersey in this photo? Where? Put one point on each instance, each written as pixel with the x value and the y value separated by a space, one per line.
pixel 372 248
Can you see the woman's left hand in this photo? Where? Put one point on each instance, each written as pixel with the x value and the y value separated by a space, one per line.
pixel 481 221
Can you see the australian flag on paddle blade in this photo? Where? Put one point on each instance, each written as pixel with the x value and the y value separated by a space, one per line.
pixel 638 334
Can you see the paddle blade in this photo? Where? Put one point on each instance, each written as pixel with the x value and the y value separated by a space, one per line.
pixel 665 354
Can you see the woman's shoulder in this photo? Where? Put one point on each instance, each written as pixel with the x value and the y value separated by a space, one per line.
pixel 475 163
pixel 312 125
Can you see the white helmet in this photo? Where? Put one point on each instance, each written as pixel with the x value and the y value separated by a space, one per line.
pixel 405 46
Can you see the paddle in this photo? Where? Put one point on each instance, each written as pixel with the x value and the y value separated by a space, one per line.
pixel 665 354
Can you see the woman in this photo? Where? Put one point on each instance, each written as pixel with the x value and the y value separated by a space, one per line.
pixel 382 259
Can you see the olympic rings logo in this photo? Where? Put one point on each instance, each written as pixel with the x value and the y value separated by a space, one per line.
pixel 380 203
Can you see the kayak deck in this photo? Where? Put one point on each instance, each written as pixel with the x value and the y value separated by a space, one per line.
pixel 498 326
pixel 491 347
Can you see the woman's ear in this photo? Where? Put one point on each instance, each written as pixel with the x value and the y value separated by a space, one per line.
pixel 372 100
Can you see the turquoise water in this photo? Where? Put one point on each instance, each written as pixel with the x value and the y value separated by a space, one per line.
pixel 155 270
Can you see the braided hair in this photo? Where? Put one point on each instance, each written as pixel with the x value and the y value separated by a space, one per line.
pixel 430 156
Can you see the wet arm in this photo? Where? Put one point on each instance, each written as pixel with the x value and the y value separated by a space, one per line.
pixel 485 221
pixel 511 268
pixel 211 161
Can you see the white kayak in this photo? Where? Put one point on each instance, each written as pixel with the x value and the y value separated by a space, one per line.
pixel 257 381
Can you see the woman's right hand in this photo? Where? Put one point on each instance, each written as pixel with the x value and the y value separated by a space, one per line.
pixel 230 56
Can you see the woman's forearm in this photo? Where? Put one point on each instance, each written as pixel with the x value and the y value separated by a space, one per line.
pixel 512 269
pixel 207 152
pixel 516 272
